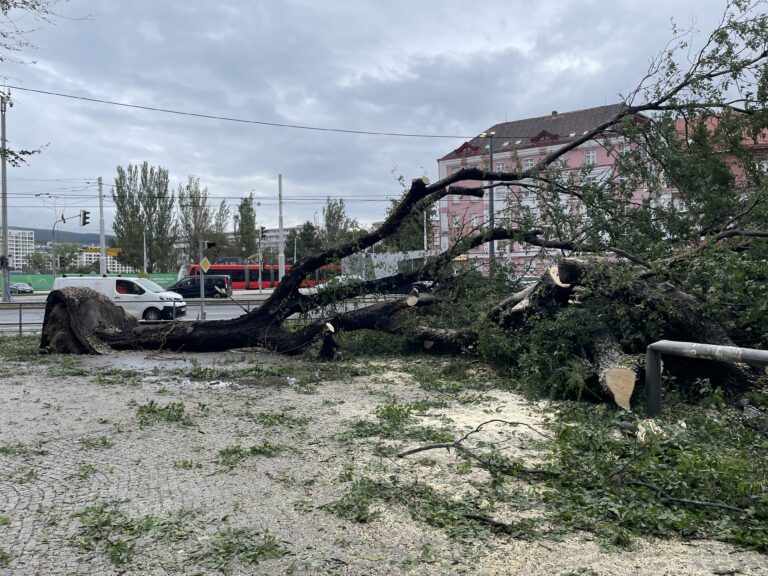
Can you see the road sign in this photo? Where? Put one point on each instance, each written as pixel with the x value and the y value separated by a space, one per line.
pixel 205 264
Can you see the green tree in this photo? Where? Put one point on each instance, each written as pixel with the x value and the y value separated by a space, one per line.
pixel 246 231
pixel 337 227
pixel 66 256
pixel 144 210
pixel 410 235
pixel 39 263
pixel 195 216
pixel 306 240
pixel 219 233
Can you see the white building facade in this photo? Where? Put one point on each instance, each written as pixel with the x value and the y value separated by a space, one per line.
pixel 21 243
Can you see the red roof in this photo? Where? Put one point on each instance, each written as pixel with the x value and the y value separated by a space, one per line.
pixel 557 127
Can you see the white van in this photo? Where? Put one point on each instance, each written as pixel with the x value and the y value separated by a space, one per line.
pixel 138 296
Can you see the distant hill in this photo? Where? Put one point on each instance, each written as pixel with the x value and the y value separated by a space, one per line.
pixel 43 236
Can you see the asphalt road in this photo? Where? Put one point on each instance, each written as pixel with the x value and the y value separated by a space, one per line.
pixel 29 310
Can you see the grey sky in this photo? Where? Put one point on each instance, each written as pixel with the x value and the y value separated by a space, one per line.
pixel 428 66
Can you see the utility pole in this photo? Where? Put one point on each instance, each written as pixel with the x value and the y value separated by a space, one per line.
pixel 425 230
pixel 63 220
pixel 261 260
pixel 145 254
pixel 202 279
pixel 491 194
pixel 281 238
pixel 102 241
pixel 5 100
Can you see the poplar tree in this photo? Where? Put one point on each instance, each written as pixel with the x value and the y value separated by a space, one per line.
pixel 145 209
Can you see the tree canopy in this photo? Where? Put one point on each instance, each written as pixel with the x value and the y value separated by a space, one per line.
pixel 145 212
pixel 337 227
pixel 247 232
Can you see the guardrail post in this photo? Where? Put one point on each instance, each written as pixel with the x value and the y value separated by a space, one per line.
pixel 652 383
pixel 20 323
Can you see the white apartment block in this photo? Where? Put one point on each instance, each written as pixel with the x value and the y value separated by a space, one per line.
pixel 21 243
pixel 87 258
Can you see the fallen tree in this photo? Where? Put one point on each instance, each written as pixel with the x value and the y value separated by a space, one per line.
pixel 585 319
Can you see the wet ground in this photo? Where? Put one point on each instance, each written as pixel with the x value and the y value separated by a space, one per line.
pixel 168 463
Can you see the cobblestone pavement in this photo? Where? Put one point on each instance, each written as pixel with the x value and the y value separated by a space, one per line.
pixel 159 498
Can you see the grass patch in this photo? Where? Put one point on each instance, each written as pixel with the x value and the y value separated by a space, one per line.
pixel 115 377
pixel 105 527
pixel 396 421
pixel 96 442
pixel 21 348
pixel 244 545
pixel 5 559
pixel 187 465
pixel 207 373
pixel 456 377
pixel 172 412
pixel 28 475
pixel 231 456
pixel 457 516
pixel 356 503
pixel 4 520
pixel 17 449
pixel 86 471
pixel 68 366
pixel 278 419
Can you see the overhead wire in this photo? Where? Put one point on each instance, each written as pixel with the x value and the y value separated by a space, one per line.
pixel 264 122
pixel 237 120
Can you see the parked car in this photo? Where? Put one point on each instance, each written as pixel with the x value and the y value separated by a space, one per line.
pixel 138 296
pixel 216 286
pixel 338 281
pixel 421 286
pixel 21 288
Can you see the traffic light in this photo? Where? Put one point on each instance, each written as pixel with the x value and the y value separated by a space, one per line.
pixel 209 244
pixel 85 217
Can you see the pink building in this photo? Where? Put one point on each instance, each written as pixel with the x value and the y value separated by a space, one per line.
pixel 521 145
pixel 517 145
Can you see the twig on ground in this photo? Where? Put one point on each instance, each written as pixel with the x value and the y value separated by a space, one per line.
pixel 662 494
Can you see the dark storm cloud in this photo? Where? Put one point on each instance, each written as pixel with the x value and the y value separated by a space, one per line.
pixel 431 67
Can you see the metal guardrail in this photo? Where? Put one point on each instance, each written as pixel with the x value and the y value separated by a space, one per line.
pixel 689 350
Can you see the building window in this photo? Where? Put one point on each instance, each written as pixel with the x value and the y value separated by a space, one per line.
pixel 590 157
pixel 528 163
pixel 475 220
pixel 456 222
pixel 455 199
pixel 474 199
pixel 499 167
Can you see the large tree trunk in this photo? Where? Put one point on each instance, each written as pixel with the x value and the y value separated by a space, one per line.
pixel 81 321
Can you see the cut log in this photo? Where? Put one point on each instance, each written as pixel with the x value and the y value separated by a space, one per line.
pixel 617 371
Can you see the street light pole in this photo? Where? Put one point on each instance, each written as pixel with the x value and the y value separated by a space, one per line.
pixel 491 194
pixel 5 100
pixel 281 242
pixel 53 244
pixel 202 280
pixel 102 241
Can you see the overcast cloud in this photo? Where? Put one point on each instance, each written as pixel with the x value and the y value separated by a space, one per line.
pixel 429 66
